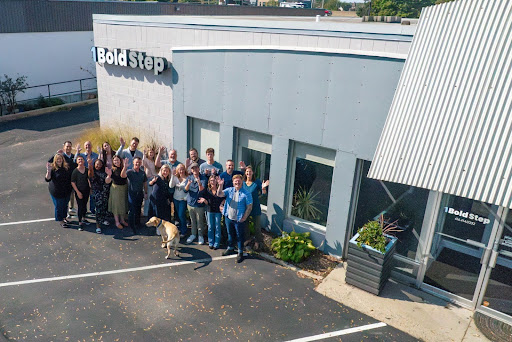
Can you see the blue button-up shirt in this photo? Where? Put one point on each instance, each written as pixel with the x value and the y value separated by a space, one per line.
pixel 244 200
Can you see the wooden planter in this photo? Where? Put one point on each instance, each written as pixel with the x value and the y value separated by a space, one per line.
pixel 367 268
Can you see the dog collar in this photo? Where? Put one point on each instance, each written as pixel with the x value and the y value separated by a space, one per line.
pixel 159 224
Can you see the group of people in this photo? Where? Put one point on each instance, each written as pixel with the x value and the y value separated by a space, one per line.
pixel 118 183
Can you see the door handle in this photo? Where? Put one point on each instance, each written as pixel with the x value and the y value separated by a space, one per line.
pixel 475 243
pixel 485 257
pixel 494 258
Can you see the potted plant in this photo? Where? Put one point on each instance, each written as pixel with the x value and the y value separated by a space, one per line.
pixel 370 255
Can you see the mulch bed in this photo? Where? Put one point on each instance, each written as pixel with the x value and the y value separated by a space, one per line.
pixel 317 263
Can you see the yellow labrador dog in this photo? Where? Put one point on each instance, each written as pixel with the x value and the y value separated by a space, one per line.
pixel 169 233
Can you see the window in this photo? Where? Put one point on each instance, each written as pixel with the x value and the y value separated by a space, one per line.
pixel 312 169
pixel 255 150
pixel 203 134
pixel 397 202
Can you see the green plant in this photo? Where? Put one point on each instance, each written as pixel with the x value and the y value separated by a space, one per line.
pixel 373 234
pixel 305 205
pixel 293 246
pixel 9 89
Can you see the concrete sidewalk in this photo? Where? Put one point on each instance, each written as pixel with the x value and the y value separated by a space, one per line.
pixel 415 312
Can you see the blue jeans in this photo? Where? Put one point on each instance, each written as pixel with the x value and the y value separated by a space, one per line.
pixel 214 233
pixel 61 207
pixel 180 208
pixel 92 204
pixel 235 229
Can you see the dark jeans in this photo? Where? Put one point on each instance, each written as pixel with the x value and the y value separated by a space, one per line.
pixel 236 230
pixel 161 209
pixel 61 207
pixel 135 206
pixel 180 208
pixel 82 204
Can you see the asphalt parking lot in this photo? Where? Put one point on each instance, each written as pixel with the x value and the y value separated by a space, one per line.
pixel 60 284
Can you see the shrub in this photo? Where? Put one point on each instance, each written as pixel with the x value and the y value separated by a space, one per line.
pixel 97 136
pixel 373 234
pixel 293 246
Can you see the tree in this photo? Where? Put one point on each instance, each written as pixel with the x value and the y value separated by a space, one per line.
pixel 443 1
pixel 401 8
pixel 345 5
pixel 272 3
pixel 9 89
pixel 332 5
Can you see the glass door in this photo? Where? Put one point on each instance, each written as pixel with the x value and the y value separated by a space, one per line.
pixel 496 298
pixel 460 248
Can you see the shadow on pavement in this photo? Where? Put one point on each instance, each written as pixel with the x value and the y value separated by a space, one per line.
pixel 46 122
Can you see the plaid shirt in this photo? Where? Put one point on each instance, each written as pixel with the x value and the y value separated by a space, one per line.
pixel 244 200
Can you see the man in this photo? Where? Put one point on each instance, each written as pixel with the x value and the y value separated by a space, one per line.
pixel 210 167
pixel 137 191
pixel 70 160
pixel 131 152
pixel 227 175
pixel 236 210
pixel 196 183
pixel 193 158
pixel 173 163
pixel 89 155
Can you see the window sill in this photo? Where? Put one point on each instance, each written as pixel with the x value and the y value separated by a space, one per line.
pixel 306 224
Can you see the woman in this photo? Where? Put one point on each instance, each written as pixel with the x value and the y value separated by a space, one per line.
pixel 100 179
pixel 58 176
pixel 213 202
pixel 178 182
pixel 255 187
pixel 106 155
pixel 82 187
pixel 160 196
pixel 149 167
pixel 118 199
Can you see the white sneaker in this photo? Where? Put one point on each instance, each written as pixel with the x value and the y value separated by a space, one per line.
pixel 200 240
pixel 191 238
pixel 98 230
pixel 106 223
pixel 72 211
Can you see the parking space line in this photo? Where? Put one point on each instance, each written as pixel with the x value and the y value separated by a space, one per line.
pixel 30 221
pixel 340 332
pixel 126 270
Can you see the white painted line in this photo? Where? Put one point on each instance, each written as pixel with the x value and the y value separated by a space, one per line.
pixel 340 332
pixel 126 270
pixel 30 221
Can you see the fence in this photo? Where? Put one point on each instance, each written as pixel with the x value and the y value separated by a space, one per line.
pixel 56 93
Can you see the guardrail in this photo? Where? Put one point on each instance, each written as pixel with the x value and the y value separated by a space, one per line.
pixel 52 91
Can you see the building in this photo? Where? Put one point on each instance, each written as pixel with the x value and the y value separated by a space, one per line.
pixel 308 101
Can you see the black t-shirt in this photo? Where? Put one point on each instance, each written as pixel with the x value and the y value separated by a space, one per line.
pixel 81 180
pixel 214 201
pixel 116 177
pixel 59 183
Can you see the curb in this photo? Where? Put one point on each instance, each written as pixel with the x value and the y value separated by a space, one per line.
pixel 37 112
pixel 291 267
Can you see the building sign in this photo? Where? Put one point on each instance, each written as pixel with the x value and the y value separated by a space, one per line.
pixel 467 217
pixel 133 59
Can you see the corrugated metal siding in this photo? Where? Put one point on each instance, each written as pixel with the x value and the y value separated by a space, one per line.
pixel 54 16
pixel 449 127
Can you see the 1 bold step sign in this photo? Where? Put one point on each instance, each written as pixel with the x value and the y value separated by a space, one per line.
pixel 126 58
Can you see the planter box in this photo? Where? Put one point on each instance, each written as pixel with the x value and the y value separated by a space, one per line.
pixel 367 268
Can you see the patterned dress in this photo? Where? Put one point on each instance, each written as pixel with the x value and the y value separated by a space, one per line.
pixel 100 191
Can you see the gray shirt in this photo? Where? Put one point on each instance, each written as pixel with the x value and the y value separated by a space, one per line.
pixel 215 166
